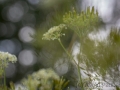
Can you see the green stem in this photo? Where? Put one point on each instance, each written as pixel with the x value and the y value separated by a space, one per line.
pixel 66 51
pixel 4 80
pixel 80 78
pixel 79 74
pixel 4 62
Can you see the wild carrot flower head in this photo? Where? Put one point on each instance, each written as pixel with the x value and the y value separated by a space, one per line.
pixel 46 74
pixel 7 56
pixel 54 32
pixel 43 77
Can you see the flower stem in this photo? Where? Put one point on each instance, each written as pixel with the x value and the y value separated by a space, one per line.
pixel 79 74
pixel 4 75
pixel 4 80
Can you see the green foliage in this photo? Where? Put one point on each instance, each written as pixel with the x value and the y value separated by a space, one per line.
pixel 100 56
pixel 60 84
pixel 114 36
pixel 82 23
pixel 12 87
pixel 45 79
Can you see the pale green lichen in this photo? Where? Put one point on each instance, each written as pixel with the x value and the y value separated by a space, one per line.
pixel 54 32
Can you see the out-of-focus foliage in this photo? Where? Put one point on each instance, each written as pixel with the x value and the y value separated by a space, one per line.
pixel 49 4
pixel 45 79
pixel 100 56
pixel 82 23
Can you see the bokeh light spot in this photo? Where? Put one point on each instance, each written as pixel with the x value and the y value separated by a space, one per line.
pixel 26 58
pixel 34 2
pixel 25 34
pixel 7 46
pixel 61 67
pixel 15 12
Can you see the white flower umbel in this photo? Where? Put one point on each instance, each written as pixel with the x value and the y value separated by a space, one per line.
pixel 6 57
pixel 54 32
pixel 43 77
pixel 46 74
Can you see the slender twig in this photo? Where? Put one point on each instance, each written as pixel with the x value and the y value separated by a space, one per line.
pixel 79 74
